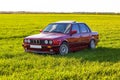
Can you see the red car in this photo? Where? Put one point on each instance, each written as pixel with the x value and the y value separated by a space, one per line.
pixel 61 37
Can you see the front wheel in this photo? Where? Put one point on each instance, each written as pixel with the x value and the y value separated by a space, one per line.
pixel 64 49
pixel 92 44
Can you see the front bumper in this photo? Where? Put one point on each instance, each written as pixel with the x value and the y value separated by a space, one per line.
pixel 51 49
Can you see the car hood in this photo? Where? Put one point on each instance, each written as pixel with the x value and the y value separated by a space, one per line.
pixel 45 35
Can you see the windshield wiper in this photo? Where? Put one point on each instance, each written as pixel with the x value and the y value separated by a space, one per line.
pixel 57 31
pixel 45 31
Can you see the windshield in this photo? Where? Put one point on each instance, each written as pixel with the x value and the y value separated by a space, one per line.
pixel 58 28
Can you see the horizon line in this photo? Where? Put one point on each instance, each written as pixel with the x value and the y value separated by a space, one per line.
pixel 10 12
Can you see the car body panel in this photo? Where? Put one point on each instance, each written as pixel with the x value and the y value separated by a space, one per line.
pixel 46 35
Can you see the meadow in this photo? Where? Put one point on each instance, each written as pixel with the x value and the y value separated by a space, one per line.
pixel 102 63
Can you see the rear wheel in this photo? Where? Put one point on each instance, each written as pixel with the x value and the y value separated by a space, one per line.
pixel 92 44
pixel 64 49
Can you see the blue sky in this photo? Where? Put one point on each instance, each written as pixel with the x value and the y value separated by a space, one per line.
pixel 61 5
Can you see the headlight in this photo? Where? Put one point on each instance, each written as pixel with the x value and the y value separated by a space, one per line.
pixel 46 41
pixel 28 41
pixel 50 42
pixel 25 40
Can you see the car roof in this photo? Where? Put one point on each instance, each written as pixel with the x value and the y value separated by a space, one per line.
pixel 66 21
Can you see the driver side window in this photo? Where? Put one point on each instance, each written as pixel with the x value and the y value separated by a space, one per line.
pixel 75 27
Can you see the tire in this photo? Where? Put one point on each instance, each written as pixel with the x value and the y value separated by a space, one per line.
pixel 64 49
pixel 92 44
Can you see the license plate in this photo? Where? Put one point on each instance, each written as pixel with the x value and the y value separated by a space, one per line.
pixel 36 46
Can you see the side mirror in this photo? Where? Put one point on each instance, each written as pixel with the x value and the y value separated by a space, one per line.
pixel 41 30
pixel 73 32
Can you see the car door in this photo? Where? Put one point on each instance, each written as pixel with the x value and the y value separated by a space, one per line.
pixel 74 38
pixel 84 34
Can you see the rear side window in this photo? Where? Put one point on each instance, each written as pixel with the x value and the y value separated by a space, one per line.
pixel 84 28
pixel 76 27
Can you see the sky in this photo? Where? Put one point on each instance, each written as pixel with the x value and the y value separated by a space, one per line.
pixel 61 5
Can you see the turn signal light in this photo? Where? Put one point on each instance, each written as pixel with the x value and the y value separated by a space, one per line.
pixel 49 46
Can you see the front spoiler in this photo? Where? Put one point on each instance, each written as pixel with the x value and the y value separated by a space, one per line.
pixel 45 49
pixel 42 52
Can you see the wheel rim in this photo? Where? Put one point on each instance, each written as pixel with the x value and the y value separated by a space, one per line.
pixel 63 49
pixel 92 44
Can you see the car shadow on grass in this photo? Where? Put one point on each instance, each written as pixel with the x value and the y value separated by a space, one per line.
pixel 100 54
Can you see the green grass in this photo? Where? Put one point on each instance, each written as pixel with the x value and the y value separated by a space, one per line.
pixel 101 63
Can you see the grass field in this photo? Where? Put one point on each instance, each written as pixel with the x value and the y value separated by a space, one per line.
pixel 101 63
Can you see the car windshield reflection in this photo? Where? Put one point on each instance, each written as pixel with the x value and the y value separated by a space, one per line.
pixel 57 28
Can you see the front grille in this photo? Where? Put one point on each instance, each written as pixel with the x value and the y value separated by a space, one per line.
pixel 36 41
